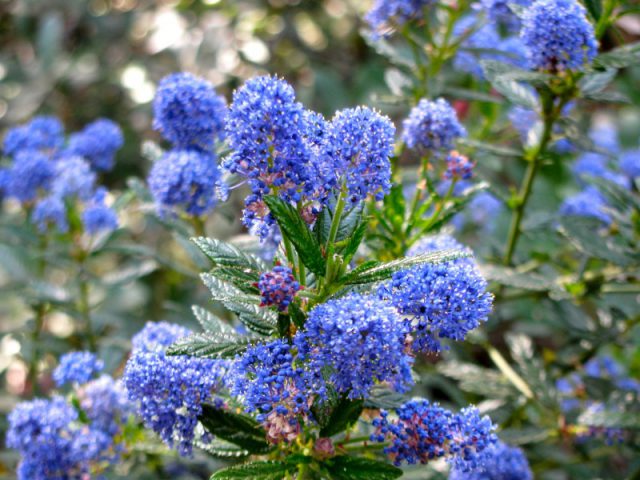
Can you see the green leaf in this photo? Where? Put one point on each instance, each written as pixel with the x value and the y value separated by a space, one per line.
pixel 384 397
pixel 583 233
pixel 226 255
pixel 210 345
pixel 297 231
pixel 616 194
pixel 266 470
pixel 530 366
pixel 298 317
pixel 621 57
pixel 210 322
pixel 478 380
pixel 394 53
pixel 610 419
pixel 397 81
pixel 474 95
pixel 246 306
pixel 512 278
pixel 284 322
pixel 383 271
pixel 355 468
pixel 344 414
pixel 594 7
pixel 222 449
pixel 516 92
pixel 235 428
pixel 490 148
pixel 595 82
pixel 354 241
pixel 496 69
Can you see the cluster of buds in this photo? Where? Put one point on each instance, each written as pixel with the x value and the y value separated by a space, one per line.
pixel 278 287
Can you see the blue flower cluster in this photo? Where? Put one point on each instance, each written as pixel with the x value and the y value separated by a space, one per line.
pixel 185 179
pixel 41 432
pixel 459 167
pixel 58 439
pixel 423 432
pixel 188 111
pixel 169 390
pixel 97 216
pixel 361 142
pixel 106 404
pixel 191 115
pixel 501 462
pixel 442 300
pixel 558 35
pixel 278 287
pixel 482 41
pixel 274 143
pixel 97 143
pixel 388 14
pixel 280 389
pixel 434 243
pixel 432 125
pixel 587 203
pixel 77 367
pixel 597 165
pixel 42 133
pixel 572 392
pixel 360 340
pixel 32 172
pixel 283 149
pixel 50 213
pixel 56 179
pixel 499 12
pixel 630 163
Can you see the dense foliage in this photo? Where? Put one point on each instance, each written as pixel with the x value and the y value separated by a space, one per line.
pixel 449 294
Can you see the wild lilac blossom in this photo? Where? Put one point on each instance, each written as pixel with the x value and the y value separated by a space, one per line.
pixel 630 163
pixel 558 35
pixel 97 143
pixel 73 179
pixel 573 398
pixel 360 144
pixel 280 389
pixel 278 287
pixel 387 14
pixel 169 390
pixel 42 133
pixel 498 11
pixel 361 340
pixel 432 125
pixel 484 209
pixel 587 203
pixel 77 367
pixel 50 212
pixel 97 216
pixel 500 462
pixel 442 300
pixel 30 173
pixel 605 137
pixel 40 431
pixel 106 404
pixel 55 442
pixel 188 112
pixel 597 165
pixel 480 37
pixel 434 243
pixel 185 179
pixel 272 139
pixel 459 167
pixel 422 432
